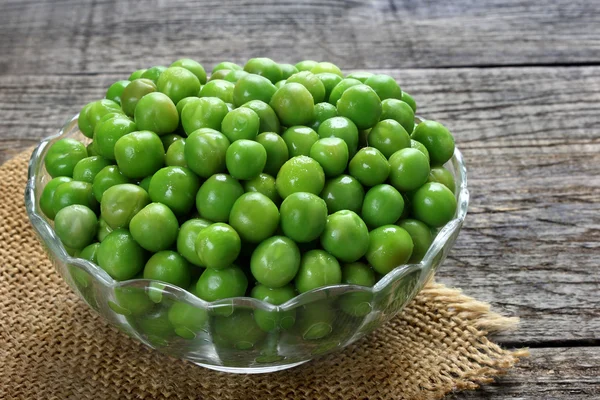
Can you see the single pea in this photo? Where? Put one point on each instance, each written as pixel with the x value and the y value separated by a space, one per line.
pixel 155 227
pixel 264 184
pixel 73 192
pixel 343 193
pixel 216 197
pixel 421 237
pixel 254 216
pixel 293 104
pixel 270 321
pixel 184 102
pixel 83 123
pixel 134 92
pixel 153 73
pixel 87 168
pixel 226 65
pixel 315 320
pixel 443 176
pixel 433 204
pixel 327 68
pixel 186 239
pixel 154 326
pixel 63 155
pixel 218 88
pixel 219 75
pixel 265 67
pixel 120 256
pixel 357 304
pixel 233 76
pixel 187 320
pixel 306 65
pixel 120 203
pixel 323 111
pixel 369 166
pixel 139 154
pixel 299 139
pixel 115 91
pixel 343 128
pixel 252 87
pixel 300 174
pixel 277 151
pixel 268 119
pixel 131 301
pixel 170 267
pixel 241 123
pixel 280 83
pixel 408 99
pixel 238 331
pixel 400 112
pixel 97 111
pixel 340 88
pixel 287 70
pixel 311 82
pixel 193 66
pixel 419 146
pixel 175 187
pixel 218 245
pixel 205 151
pixel 137 74
pixel 332 154
pixel 275 261
pixel 385 86
pixel 206 112
pixel 388 136
pixel 90 252
pixel 360 104
pixel 175 156
pixel 245 159
pixel 345 236
pixel 217 284
pixel 389 247
pixel 317 269
pixel 383 205
pixel 108 131
pixel 169 139
pixel 360 75
pixel 47 197
pixel 156 112
pixel 409 169
pixel 437 139
pixel 103 230
pixel 76 226
pixel 303 216
pixel 107 177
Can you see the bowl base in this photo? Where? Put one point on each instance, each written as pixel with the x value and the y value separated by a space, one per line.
pixel 253 370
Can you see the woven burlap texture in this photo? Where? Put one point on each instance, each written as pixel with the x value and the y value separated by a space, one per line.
pixel 53 347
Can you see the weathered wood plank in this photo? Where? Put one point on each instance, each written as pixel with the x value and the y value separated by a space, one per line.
pixel 99 36
pixel 553 373
pixel 531 138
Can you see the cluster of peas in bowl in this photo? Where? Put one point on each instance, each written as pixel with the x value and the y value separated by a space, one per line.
pixel 268 181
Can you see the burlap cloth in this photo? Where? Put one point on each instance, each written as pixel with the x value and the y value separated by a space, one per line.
pixel 53 347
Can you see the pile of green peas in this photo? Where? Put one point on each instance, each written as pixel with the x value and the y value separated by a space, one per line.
pixel 267 180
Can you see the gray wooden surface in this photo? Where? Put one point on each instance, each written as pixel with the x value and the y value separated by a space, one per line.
pixel 518 82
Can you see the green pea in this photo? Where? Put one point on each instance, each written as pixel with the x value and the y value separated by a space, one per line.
pixel 383 205
pixel 342 128
pixel 226 65
pixel 233 76
pixel 157 112
pixel 115 91
pixel 139 154
pixel 389 247
pixel 137 74
pixel 187 320
pixel 155 227
pixel 287 70
pixel 47 196
pixel 155 326
pixel 107 177
pixel 96 112
pixel 317 269
pixel 270 321
pixel 219 75
pixel 62 156
pixel 134 92
pixel 252 87
pixel 186 239
pixel 193 66
pixel 421 237
pixel 107 133
pixel 241 123
pixel 83 123
pixel 437 139
pixel 265 67
pixel 169 139
pixel 153 73
pixel 311 82
pixel 293 104
pixel 216 197
pixel 357 304
pixel 267 117
pixel 238 331
pixel 87 168
pixel 433 204
pixel 340 88
pixel 218 88
pixel 369 166
pixel 73 192
pixel 343 193
pixel 443 176
pixel 327 68
pixel 245 159
pixel 170 267
pixel 175 156
pixel 218 245
pixel 120 256
pixel 131 301
pixel 90 252
pixel 145 183
pixel 299 140
pixel 362 76
pixel 323 111
pixel 300 174
pixel 361 105
pixel 409 169
pixel 206 112
pixel 419 146
pixel 306 65
pixel 345 236
pixel 388 136
pixel 91 149
pixel 332 154
pixel 400 112
pixel 277 151
pixel 275 261
pixel 254 216
pixel 217 284
pixel 103 230
pixel 264 184
pixel 315 320
pixel 408 99
pixel 385 86
pixel 205 151
pixel 175 187
pixel 280 84
pixel 76 226
pixel 303 216
pixel 120 203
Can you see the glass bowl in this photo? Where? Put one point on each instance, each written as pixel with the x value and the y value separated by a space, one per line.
pixel 222 335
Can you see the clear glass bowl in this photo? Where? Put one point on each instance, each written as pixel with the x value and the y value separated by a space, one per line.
pixel 222 335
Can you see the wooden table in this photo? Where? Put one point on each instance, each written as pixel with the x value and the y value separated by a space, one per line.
pixel 518 82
